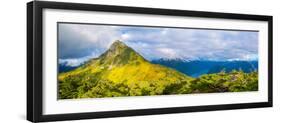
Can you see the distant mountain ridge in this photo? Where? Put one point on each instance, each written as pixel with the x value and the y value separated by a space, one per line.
pixel 195 68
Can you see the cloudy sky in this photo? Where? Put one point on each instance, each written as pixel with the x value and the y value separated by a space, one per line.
pixel 80 42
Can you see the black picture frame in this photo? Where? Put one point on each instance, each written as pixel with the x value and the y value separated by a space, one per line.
pixel 35 69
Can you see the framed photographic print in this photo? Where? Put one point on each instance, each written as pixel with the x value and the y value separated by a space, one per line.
pixel 95 61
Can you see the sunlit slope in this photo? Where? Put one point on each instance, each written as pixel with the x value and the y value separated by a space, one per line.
pixel 120 71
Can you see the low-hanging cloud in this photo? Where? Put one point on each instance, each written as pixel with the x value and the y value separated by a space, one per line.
pixel 89 41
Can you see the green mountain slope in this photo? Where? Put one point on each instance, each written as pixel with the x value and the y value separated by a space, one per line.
pixel 234 81
pixel 120 71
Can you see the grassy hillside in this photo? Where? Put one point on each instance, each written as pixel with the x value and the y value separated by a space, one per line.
pixel 234 81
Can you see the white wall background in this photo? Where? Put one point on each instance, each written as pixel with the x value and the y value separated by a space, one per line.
pixel 13 61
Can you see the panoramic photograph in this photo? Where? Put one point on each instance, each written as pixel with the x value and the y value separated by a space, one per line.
pixel 103 61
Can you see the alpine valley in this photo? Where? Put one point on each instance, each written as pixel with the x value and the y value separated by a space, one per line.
pixel 121 71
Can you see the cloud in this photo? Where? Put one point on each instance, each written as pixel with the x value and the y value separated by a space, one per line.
pixel 73 62
pixel 195 44
pixel 78 41
pixel 167 52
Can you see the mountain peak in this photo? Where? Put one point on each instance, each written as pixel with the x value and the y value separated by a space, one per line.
pixel 118 48
pixel 119 54
pixel 117 44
